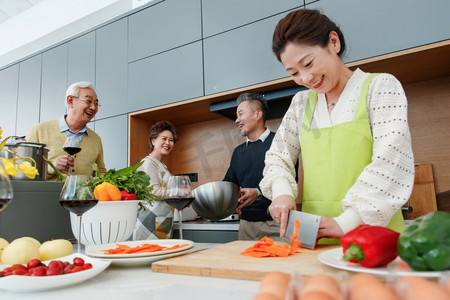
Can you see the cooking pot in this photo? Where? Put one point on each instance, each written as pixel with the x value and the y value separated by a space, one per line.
pixel 22 148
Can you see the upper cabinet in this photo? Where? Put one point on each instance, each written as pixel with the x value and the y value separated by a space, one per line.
pixel 81 59
pixel 54 83
pixel 29 94
pixel 165 78
pixel 8 99
pixel 113 132
pixel 241 57
pixel 112 68
pixel 164 26
pixel 219 16
pixel 373 28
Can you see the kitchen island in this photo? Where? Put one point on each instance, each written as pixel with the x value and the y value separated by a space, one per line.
pixel 142 283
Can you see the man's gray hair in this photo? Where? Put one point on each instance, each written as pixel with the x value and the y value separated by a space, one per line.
pixel 74 89
pixel 253 97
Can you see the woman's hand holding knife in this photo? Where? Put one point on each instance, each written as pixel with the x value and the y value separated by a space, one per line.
pixel 279 210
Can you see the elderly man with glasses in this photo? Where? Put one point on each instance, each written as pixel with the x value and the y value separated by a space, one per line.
pixel 82 105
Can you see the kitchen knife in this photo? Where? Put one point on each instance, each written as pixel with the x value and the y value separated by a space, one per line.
pixel 309 227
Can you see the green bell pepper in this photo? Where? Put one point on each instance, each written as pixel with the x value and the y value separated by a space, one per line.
pixel 425 243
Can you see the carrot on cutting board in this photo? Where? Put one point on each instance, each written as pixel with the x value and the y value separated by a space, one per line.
pixel 267 248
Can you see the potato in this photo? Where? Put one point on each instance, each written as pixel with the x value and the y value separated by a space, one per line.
pixel 33 240
pixel 3 244
pixel 55 249
pixel 20 252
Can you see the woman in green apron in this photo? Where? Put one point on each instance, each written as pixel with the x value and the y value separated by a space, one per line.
pixel 350 129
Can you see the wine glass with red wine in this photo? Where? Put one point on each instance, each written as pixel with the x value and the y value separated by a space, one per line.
pixel 71 146
pixel 6 191
pixel 77 196
pixel 179 195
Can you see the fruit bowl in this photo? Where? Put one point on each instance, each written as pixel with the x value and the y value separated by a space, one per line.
pixel 107 222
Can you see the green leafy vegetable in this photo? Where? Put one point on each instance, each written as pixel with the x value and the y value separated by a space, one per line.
pixel 130 180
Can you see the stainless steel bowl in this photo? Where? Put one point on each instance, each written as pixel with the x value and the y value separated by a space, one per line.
pixel 216 200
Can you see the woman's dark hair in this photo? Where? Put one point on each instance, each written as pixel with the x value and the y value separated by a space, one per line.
pixel 305 26
pixel 159 127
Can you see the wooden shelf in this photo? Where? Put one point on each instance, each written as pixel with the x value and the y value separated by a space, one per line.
pixel 411 65
pixel 208 138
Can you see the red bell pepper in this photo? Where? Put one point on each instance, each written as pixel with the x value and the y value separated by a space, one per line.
pixel 128 196
pixel 370 246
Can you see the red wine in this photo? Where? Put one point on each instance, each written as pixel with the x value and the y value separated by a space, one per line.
pixel 72 150
pixel 78 206
pixel 4 202
pixel 179 203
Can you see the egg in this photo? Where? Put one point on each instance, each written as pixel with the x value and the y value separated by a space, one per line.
pixel 275 283
pixel 317 295
pixel 414 287
pixel 321 283
pixel 267 296
pixel 369 287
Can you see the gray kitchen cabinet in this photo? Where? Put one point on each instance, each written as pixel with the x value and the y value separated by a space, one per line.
pixel 112 68
pixel 29 94
pixel 165 78
pixel 9 79
pixel 81 59
pixel 54 83
pixel 219 16
pixel 113 132
pixel 35 212
pixel 241 57
pixel 164 26
pixel 373 28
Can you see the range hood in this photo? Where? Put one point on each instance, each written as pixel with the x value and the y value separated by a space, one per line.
pixel 278 102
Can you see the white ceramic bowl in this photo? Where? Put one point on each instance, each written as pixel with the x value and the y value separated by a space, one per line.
pixel 107 222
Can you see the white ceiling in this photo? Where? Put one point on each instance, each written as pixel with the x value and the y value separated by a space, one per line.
pixel 11 8
pixel 30 26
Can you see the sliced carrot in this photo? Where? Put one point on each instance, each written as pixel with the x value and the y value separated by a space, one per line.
pixel 296 230
pixel 267 248
pixel 143 248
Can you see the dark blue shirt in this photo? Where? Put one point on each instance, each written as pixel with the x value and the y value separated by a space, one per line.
pixel 246 170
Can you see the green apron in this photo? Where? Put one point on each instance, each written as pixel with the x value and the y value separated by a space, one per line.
pixel 333 158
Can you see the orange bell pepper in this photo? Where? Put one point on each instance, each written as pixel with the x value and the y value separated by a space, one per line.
pixel 107 192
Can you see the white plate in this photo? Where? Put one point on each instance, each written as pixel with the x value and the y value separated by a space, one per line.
pixel 31 284
pixel 142 261
pixel 95 251
pixel 334 259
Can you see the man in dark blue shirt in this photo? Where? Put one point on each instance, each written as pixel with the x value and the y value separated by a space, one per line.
pixel 246 168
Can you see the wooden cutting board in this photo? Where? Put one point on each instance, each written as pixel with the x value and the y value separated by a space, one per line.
pixel 423 196
pixel 225 261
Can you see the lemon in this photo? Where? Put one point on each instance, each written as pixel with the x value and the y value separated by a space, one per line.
pixel 33 240
pixel 20 252
pixel 55 249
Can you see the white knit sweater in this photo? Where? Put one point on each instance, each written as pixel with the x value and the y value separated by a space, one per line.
pixel 386 183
